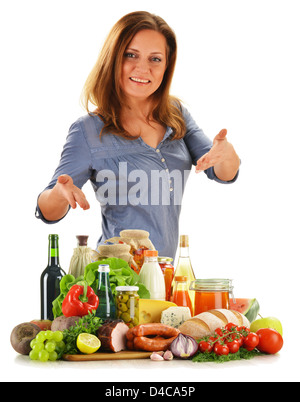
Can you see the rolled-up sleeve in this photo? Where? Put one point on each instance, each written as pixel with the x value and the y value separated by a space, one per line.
pixel 199 144
pixel 75 161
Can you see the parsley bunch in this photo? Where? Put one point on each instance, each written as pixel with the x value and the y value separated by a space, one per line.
pixel 213 357
pixel 88 323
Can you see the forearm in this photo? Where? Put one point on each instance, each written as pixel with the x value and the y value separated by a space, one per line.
pixel 52 206
pixel 228 169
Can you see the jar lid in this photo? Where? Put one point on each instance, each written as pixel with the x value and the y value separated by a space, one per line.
pixel 164 259
pixel 103 268
pixel 212 285
pixel 127 288
pixel 150 253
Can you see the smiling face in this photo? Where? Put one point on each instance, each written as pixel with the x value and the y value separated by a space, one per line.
pixel 144 64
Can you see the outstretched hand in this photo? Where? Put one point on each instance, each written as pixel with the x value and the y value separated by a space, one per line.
pixel 220 152
pixel 72 194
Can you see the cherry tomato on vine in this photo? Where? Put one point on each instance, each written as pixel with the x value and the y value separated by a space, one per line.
pixel 212 339
pixel 251 341
pixel 230 326
pixel 243 330
pixel 205 347
pixel 233 346
pixel 221 332
pixel 221 350
pixel 239 338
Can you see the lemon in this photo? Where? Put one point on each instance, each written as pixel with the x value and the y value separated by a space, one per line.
pixel 88 343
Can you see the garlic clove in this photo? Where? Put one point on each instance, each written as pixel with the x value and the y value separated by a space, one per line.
pixel 168 355
pixel 156 357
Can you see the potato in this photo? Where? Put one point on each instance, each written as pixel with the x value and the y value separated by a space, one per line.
pixel 22 335
pixel 61 323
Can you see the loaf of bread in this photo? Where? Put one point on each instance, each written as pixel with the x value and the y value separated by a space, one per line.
pixel 205 324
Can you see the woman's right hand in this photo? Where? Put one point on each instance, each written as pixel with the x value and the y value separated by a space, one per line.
pixel 69 192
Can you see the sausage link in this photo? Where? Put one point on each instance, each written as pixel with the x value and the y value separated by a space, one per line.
pixel 152 345
pixel 130 345
pixel 152 329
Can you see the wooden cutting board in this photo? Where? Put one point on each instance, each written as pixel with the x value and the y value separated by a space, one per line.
pixel 123 355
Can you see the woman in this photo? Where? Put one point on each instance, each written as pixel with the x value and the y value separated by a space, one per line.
pixel 138 146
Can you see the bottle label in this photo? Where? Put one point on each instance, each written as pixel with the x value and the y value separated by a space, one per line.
pixel 54 252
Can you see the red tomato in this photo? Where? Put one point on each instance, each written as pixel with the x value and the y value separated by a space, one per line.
pixel 212 339
pixel 239 338
pixel 221 331
pixel 230 326
pixel 205 347
pixel 221 349
pixel 243 330
pixel 251 341
pixel 233 346
pixel 270 341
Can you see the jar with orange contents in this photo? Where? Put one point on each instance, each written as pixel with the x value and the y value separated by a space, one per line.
pixel 168 271
pixel 211 294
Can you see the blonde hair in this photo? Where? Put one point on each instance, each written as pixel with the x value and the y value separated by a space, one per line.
pixel 102 87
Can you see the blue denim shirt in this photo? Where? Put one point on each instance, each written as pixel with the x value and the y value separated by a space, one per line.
pixel 137 186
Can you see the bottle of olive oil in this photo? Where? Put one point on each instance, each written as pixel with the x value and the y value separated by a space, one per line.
pixel 184 267
pixel 50 279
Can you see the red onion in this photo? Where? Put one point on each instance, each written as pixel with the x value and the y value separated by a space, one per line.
pixel 184 346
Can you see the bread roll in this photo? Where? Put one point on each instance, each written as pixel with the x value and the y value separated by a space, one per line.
pixel 205 324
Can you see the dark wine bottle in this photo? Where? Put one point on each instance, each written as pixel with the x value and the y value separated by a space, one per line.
pixel 50 279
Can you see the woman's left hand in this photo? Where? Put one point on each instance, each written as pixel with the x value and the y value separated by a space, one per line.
pixel 222 157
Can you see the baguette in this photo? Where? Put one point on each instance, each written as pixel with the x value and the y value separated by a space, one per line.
pixel 205 324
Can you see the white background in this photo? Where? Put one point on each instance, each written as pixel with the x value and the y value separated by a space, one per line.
pixel 238 68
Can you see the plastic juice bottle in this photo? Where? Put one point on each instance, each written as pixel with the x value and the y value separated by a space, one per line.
pixel 181 295
pixel 152 277
pixel 184 267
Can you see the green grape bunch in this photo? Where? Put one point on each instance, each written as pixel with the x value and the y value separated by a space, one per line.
pixel 47 346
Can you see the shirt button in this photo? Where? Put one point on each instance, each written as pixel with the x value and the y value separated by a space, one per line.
pixel 171 189
pixel 163 159
pixel 157 150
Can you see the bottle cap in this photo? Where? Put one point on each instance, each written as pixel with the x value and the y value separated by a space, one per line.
pixel 150 253
pixel 180 278
pixel 82 240
pixel 184 241
pixel 103 268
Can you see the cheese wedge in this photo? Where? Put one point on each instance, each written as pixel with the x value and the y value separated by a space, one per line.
pixel 175 316
pixel 150 310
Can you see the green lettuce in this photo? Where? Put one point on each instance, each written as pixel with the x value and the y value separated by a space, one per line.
pixel 120 274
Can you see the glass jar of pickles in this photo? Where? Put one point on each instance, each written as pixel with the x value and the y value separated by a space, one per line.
pixel 128 305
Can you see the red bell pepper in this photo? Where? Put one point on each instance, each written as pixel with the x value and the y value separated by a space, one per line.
pixel 80 300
